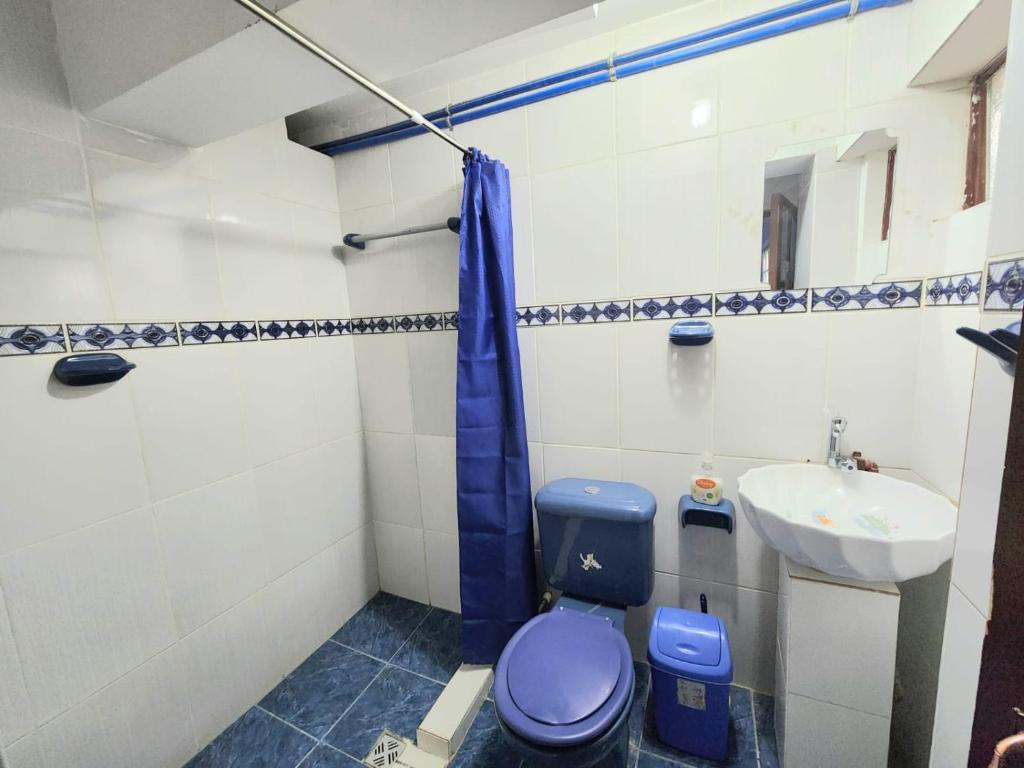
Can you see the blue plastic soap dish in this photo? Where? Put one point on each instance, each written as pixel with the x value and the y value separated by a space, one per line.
pixel 693 512
pixel 691 333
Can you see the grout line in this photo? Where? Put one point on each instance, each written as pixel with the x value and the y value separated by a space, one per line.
pixel 282 720
pixel 395 654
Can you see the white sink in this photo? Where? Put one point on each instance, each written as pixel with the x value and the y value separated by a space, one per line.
pixel 860 525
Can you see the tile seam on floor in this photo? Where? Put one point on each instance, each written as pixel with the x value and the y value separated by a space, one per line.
pixel 388 663
pixel 348 709
pixel 430 610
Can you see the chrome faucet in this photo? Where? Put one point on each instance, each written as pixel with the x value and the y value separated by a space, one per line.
pixel 835 447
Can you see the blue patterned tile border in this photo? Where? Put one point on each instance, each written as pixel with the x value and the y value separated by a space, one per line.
pixel 337 327
pixel 88 337
pixel 666 307
pixel 547 314
pixel 954 290
pixel 213 332
pixel 31 339
pixel 842 298
pixel 369 325
pixel 272 330
pixel 615 311
pixel 760 302
pixel 1004 289
pixel 451 321
pixel 432 321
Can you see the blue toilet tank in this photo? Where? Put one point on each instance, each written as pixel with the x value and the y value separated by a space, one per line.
pixel 597 539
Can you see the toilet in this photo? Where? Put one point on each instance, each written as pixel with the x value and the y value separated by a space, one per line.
pixel 564 683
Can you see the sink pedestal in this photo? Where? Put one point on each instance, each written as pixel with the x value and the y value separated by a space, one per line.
pixel 834 669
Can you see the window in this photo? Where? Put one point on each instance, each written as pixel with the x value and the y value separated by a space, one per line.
pixel 983 138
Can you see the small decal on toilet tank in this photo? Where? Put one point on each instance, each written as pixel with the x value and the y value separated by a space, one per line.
pixel 589 562
pixel 691 695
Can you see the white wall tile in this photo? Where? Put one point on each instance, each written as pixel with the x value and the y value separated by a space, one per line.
pixel 578 385
pixel 770 387
pixel 379 279
pixel 751 77
pixel 403 569
pixel 421 166
pixel 142 718
pixel 82 441
pixel 879 425
pixel 336 387
pixel 357 554
pixel 432 364
pixel 47 235
pixel 572 129
pixel 297 522
pixel 86 608
pixel 232 159
pixel 432 258
pixel 879 50
pixel 435 460
pixel 569 461
pixel 574 233
pixel 15 708
pixel 442 552
pixel 213 548
pixel 645 118
pixel 393 478
pixel 942 399
pixel 157 241
pixel 385 389
pixel 958 680
pixel 317 263
pixel 984 461
pixel 501 137
pixel 278 401
pixel 185 399
pixel 344 469
pixel 522 240
pixel 230 664
pixel 665 391
pixel 308 177
pixel 308 604
pixel 668 219
pixel 825 734
pixel 255 247
pixel 364 178
pixel 701 553
pixel 861 676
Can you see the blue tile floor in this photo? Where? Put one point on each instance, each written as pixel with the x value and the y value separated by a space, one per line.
pixel 385 668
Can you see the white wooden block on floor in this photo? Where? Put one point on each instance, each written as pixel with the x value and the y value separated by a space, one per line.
pixel 443 729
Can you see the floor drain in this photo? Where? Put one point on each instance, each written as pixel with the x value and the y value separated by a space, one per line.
pixel 386 751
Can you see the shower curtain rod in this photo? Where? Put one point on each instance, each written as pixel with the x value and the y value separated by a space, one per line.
pixel 355 240
pixel 298 37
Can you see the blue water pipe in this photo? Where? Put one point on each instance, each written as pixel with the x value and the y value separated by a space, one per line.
pixel 751 29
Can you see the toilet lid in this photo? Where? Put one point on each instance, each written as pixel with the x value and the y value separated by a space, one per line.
pixel 564 667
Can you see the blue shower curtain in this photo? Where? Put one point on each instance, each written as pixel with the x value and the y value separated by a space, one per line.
pixel 492 466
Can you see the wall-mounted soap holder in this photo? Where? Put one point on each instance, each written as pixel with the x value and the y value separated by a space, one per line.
pixel 1002 343
pixel 693 512
pixel 86 370
pixel 691 333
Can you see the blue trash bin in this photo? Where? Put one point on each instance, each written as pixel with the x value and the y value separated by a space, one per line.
pixel 691 669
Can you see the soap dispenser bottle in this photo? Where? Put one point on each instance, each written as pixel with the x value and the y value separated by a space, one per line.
pixel 705 487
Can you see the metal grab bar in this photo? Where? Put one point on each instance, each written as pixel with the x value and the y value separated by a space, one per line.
pixel 355 240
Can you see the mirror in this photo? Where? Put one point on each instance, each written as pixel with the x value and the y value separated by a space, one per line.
pixel 825 211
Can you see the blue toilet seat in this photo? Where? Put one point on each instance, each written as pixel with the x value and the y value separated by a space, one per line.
pixel 563 679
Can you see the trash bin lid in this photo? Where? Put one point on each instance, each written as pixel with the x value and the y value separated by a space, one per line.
pixel 690 644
